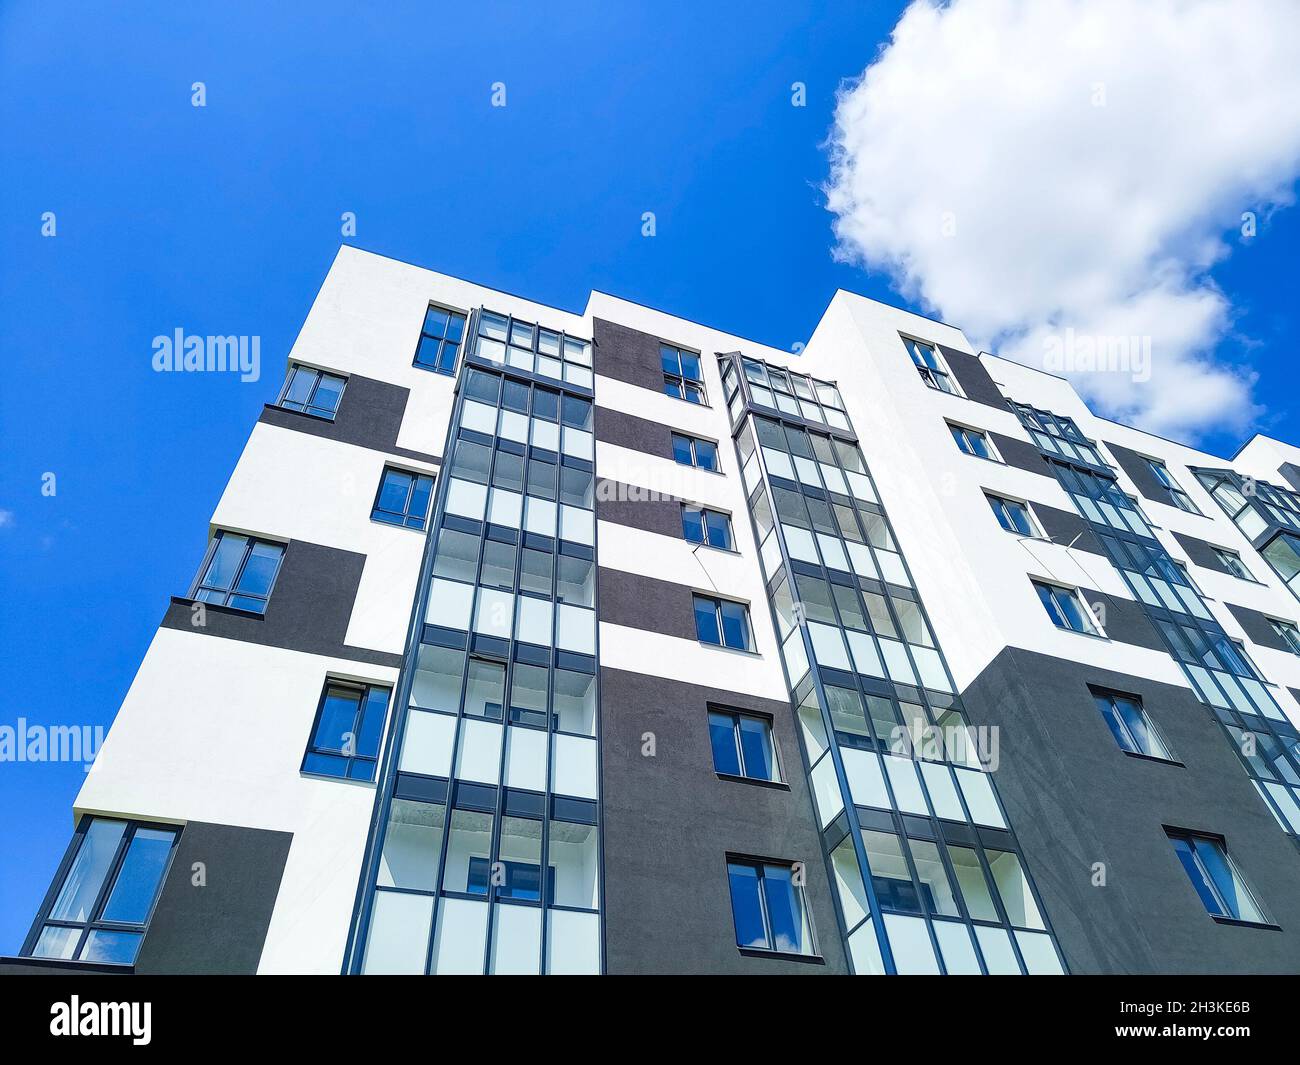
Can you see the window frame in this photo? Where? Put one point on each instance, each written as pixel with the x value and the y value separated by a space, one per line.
pixel 1110 695
pixel 415 476
pixel 1160 470
pixel 694 464
pixel 315 385
pixel 1097 630
pixel 363 688
pixel 443 340
pixel 718 602
pixel 103 894
pixel 760 865
pixel 1232 561
pixel 927 372
pixel 956 428
pixel 704 513
pixel 1187 836
pixel 1288 632
pixel 737 715
pixel 678 379
pixel 998 502
pixel 209 556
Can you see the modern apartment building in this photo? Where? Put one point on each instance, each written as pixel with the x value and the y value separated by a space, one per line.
pixel 528 641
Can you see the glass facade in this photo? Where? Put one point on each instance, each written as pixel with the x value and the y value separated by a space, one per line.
pixel 927 872
pixel 1268 516
pixel 493 772
pixel 1266 742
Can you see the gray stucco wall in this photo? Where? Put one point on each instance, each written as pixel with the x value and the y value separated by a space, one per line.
pixel 1075 799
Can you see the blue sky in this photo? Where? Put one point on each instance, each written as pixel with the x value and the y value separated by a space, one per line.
pixel 224 219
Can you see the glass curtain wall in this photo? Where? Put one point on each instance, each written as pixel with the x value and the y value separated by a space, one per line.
pixel 928 874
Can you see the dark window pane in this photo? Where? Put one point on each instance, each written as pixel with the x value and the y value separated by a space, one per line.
pixel 338 721
pixel 706 620
pixel 746 906
pixel 719 527
pixel 326 397
pixel 1186 855
pixel 435 321
pixel 260 569
pixel 396 488
pixel 706 455
pixel 141 873
pixel 691 366
pixel 225 561
pixel 693 524
pixel 735 626
pixel 668 359
pixel 672 387
pixel 426 354
pixel 682 450
pixel 86 877
pixel 326 765
pixel 784 909
pixel 756 743
pixel 372 722
pixel 722 737
pixel 419 505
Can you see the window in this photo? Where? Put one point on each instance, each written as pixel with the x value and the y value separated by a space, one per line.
pixel 107 896
pixel 239 572
pixel 345 737
pixel 1181 499
pixel 742 745
pixel 722 623
pixel 1232 563
pixel 312 391
pixel 682 378
pixel 1218 883
pixel 702 526
pixel 515 880
pixel 1066 608
pixel 1288 633
pixel 533 349
pixel 691 451
pixel 768 908
pixel 929 365
pixel 973 442
pixel 1014 516
pixel 440 338
pixel 403 498
pixel 1129 724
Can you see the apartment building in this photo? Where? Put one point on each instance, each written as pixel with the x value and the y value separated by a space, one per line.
pixel 528 641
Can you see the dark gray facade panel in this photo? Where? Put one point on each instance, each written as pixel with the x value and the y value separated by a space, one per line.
pixel 13 966
pixel 1291 474
pixel 369 415
pixel 627 355
pixel 1076 799
pixel 1021 454
pixel 1067 527
pixel 624 505
pixel 974 378
pixel 309 608
pixel 1140 472
pixel 1124 620
pixel 1257 628
pixel 1201 553
pixel 646 603
pixel 670 822
pixel 637 434
pixel 219 927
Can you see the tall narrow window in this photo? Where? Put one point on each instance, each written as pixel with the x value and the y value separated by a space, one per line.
pixel 403 498
pixel 239 572
pixel 723 623
pixel 107 896
pixel 1288 634
pixel 312 391
pixel 768 908
pixel 928 364
pixel 682 376
pixel 440 338
pixel 1066 608
pixel 742 745
pixel 1129 724
pixel 1218 883
pixel 345 737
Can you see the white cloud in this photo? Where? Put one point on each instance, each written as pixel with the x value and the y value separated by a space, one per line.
pixel 1024 168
